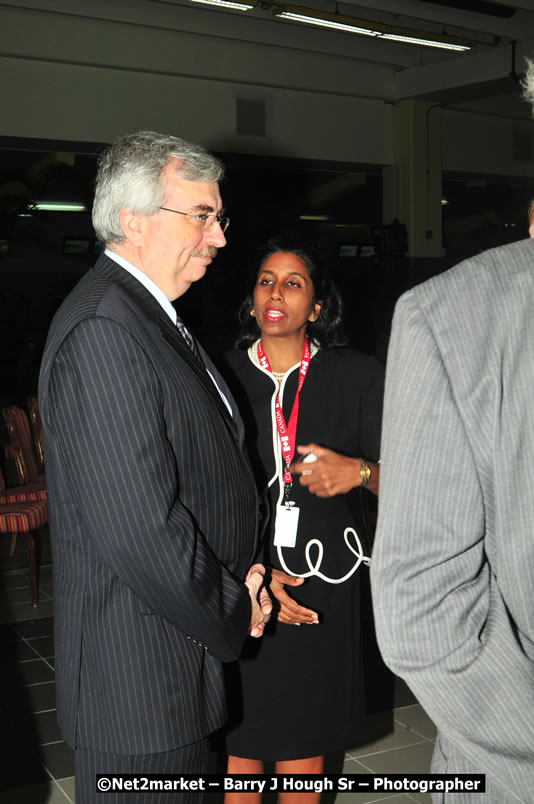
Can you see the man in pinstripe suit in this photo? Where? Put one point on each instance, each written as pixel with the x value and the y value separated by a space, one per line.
pixel 152 502
pixel 453 564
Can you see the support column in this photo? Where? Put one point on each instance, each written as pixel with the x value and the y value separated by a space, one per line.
pixel 412 188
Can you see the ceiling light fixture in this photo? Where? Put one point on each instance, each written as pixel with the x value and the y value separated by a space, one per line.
pixel 229 4
pixel 58 206
pixel 416 40
pixel 321 19
pixel 377 29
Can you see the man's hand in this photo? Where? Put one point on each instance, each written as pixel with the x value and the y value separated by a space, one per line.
pixel 331 473
pixel 261 603
pixel 290 611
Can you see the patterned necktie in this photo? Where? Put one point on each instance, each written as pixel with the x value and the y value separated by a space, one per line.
pixel 188 338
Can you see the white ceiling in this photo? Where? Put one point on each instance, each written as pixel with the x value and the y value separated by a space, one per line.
pixel 482 79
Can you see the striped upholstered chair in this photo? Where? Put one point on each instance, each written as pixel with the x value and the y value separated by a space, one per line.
pixel 18 495
pixel 23 517
pixel 37 431
pixel 20 452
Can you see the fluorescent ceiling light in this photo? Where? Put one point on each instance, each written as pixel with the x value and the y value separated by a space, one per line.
pixel 377 29
pixel 414 40
pixel 228 4
pixel 314 217
pixel 58 206
pixel 324 23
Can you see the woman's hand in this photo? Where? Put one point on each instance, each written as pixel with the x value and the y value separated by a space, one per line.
pixel 290 611
pixel 331 473
pixel 261 603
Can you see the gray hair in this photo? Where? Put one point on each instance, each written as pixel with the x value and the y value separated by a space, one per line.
pixel 129 177
pixel 528 84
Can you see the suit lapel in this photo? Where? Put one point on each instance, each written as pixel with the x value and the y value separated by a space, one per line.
pixel 150 307
pixel 237 421
pixel 171 334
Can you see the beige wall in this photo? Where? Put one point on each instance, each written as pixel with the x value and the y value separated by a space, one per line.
pixel 76 77
pixel 92 69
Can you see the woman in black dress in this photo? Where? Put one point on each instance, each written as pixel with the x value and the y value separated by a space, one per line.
pixel 312 416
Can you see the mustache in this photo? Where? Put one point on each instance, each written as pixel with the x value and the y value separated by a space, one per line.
pixel 211 251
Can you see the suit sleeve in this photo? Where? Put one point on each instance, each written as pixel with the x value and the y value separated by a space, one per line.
pixel 105 411
pixel 440 619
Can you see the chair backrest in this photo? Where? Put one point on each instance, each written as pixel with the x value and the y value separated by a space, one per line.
pixel 20 444
pixel 37 430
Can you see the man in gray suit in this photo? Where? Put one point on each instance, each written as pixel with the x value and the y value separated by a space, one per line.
pixel 453 564
pixel 152 501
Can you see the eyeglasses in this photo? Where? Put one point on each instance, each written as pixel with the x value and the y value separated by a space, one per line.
pixel 204 218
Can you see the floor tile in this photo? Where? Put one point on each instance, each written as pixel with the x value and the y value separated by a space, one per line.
pixel 415 718
pixel 45 723
pixel 45 573
pixel 34 628
pixel 354 768
pixel 18 702
pixel 35 671
pixel 58 759
pixel 421 798
pixel 26 611
pixel 19 595
pixel 13 580
pixel 396 740
pixel 42 697
pixel 50 793
pixel 379 795
pixel 67 785
pixel 16 650
pixel 406 759
pixel 44 646
pixel 351 766
pixel 402 694
pixel 382 734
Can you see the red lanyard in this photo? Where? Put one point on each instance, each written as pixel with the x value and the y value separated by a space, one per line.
pixel 288 433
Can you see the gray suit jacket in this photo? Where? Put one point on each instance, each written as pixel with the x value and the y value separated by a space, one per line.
pixel 453 564
pixel 153 517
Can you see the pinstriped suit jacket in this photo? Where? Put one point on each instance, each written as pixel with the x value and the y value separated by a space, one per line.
pixel 153 517
pixel 453 565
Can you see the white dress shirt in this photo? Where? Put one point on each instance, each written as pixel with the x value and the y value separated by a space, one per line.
pixel 161 298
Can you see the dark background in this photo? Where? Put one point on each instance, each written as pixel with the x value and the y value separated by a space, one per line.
pixel 262 195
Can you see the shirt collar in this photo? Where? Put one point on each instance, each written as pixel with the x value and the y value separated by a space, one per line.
pixel 146 282
pixel 253 353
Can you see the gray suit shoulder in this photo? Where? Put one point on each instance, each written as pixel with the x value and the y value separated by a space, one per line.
pixel 489 287
pixel 496 268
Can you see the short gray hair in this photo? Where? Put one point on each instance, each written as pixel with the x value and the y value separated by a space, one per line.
pixel 129 176
pixel 528 84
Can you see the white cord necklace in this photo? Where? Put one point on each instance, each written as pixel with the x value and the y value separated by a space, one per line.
pixel 350 534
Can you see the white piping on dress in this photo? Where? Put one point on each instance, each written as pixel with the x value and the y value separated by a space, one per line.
pixel 357 548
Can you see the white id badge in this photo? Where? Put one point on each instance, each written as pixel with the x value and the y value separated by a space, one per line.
pixel 286 525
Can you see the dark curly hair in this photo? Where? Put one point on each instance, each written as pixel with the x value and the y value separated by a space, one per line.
pixel 327 330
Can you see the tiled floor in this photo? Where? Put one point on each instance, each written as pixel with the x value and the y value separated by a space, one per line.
pixel 40 767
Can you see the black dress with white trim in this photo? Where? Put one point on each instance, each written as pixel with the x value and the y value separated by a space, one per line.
pixel 298 692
